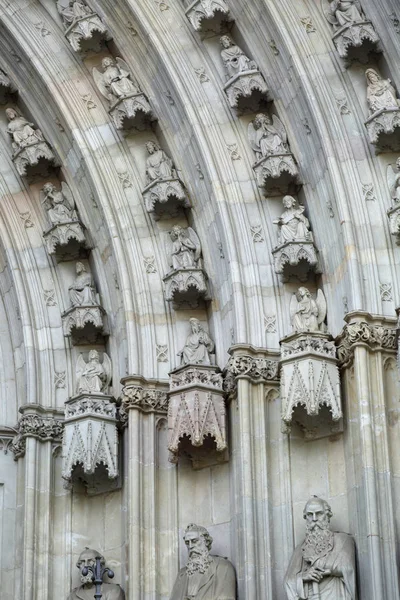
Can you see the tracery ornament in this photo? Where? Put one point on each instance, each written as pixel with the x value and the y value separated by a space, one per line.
pixel 84 320
pixel 275 166
pixel 243 78
pixel 393 180
pixel 186 283
pixel 129 106
pixel 295 253
pixel 37 423
pixel 164 191
pixel 354 35
pixel 7 88
pixel 84 28
pixel 31 153
pixel 384 112
pixel 65 237
pixel 208 15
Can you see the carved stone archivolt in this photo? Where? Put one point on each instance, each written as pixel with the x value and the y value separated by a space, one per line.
pixel 84 28
pixel 164 191
pixel 41 424
pixel 383 123
pixel 208 15
pixel 245 84
pixel 275 166
pixel 129 106
pixel 32 155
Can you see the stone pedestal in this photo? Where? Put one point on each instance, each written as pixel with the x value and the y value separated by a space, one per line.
pixel 356 40
pixel 84 323
pixel 90 442
pixel 66 240
pixel 383 129
pixel 165 196
pixel 295 258
pixel 249 86
pixel 207 15
pixel 186 287
pixel 310 384
pixel 34 159
pixel 276 173
pixel 197 414
pixel 393 214
pixel 131 111
pixel 87 33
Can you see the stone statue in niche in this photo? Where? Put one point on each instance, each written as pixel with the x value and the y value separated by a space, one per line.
pixel 93 376
pixel 393 179
pixel 59 204
pixel 307 314
pixel 86 591
pixel 242 74
pixel 28 143
pixel 205 577
pixel 293 224
pixel 186 248
pixel 163 185
pixel 82 291
pixel 384 111
pixel 116 83
pixel 351 28
pixel 323 566
pixel 208 14
pixel 268 139
pixel 198 347
pixel 82 24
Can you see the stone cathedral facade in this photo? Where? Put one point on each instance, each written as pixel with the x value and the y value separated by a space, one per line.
pixel 199 296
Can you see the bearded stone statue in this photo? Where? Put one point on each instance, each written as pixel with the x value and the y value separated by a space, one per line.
pixel 323 566
pixel 205 577
pixel 87 589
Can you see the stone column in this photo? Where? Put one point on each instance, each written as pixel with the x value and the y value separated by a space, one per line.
pixel 151 535
pixel 365 346
pixel 251 378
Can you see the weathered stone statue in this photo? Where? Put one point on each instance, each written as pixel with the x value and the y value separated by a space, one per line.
pixel 267 137
pixel 198 345
pixel 86 590
pixel 205 577
pixel 82 291
pixel 93 376
pixel 59 204
pixel 380 92
pixel 158 165
pixel 80 21
pixel 393 179
pixel 293 224
pixel 307 314
pixel 345 12
pixel 186 248
pixel 323 566
pixel 234 59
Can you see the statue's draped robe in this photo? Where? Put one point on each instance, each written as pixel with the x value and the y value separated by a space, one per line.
pixel 118 83
pixel 381 95
pixel 82 291
pixel 341 585
pixel 93 377
pixel 110 591
pixel 235 61
pixel 158 166
pixel 306 316
pixel 59 213
pixel 197 348
pixel 217 583
pixel 294 225
pixel 268 141
pixel 346 12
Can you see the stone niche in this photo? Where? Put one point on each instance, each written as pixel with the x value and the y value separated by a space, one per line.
pixel 197 419
pixel 277 174
pixel 185 288
pixel 90 442
pixel 85 323
pixel 295 259
pixel 310 385
pixel 208 15
pixel 165 196
pixel 66 241
pixel 383 128
pixel 245 90
pixel 132 112
pixel 87 33
pixel 356 40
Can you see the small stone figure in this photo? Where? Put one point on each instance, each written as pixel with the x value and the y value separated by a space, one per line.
pixel 267 137
pixel 59 204
pixel 205 577
pixel 380 93
pixel 307 314
pixel 82 292
pixel 234 59
pixel 198 345
pixel 93 376
pixel 345 12
pixel 186 248
pixel 86 591
pixel 323 566
pixel 393 179
pixel 115 81
pixel 158 165
pixel 22 131
pixel 80 21
pixel 293 224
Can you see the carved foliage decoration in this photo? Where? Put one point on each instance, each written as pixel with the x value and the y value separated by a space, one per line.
pixel 44 428
pixel 375 337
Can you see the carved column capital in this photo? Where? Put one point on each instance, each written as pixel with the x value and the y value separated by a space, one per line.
pixel 142 394
pixel 374 331
pixel 256 364
pixel 46 425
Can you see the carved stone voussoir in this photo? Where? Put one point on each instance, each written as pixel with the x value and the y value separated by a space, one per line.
pixel 383 129
pixel 374 336
pixel 208 14
pixel 186 287
pixel 243 85
pixel 84 323
pixel 355 35
pixel 90 436
pixel 131 111
pixel 275 173
pixel 295 258
pixel 43 428
pixel 165 196
pixel 65 239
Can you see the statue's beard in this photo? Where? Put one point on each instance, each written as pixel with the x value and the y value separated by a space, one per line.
pixel 87 579
pixel 318 541
pixel 198 562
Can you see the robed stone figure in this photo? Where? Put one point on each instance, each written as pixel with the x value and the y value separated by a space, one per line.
pixel 87 589
pixel 323 566
pixel 205 577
